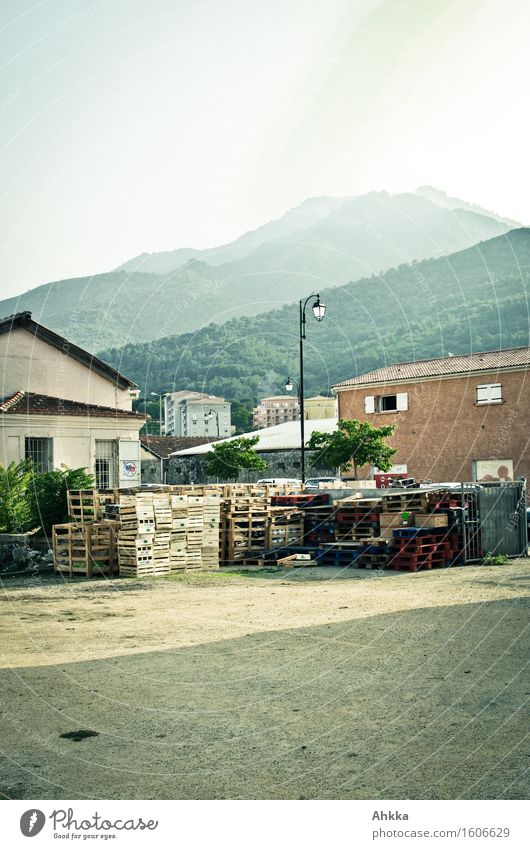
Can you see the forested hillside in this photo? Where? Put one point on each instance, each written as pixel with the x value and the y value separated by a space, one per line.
pixel 476 299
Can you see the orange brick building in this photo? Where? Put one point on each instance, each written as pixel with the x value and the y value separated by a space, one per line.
pixel 457 418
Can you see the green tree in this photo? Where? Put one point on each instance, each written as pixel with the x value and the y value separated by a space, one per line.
pixel 354 442
pixel 242 415
pixel 226 459
pixel 15 511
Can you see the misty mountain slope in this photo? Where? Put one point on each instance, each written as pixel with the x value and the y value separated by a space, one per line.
pixel 365 236
pixel 298 218
pixel 358 237
pixel 443 199
pixel 476 299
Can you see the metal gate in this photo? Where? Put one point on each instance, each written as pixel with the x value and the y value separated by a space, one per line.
pixel 494 519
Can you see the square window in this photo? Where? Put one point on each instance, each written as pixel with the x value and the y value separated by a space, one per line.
pixel 387 403
pixel 40 451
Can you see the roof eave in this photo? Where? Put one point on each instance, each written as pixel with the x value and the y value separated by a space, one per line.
pixel 68 348
pixel 396 381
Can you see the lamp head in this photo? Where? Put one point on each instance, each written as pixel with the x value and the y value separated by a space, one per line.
pixel 289 385
pixel 319 309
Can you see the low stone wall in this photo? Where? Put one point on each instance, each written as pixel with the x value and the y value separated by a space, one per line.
pixel 280 464
pixel 151 471
pixel 22 552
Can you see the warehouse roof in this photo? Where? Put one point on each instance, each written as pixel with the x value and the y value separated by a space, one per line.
pixel 279 437
pixel 25 321
pixel 458 364
pixel 164 446
pixel 33 404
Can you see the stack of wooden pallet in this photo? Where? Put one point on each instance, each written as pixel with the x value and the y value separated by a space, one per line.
pixel 179 532
pixel 210 533
pixel 419 548
pixel 88 505
pixel 418 538
pixel 358 520
pixel 284 528
pixel 136 536
pixel 164 532
pixel 244 525
pixel 85 549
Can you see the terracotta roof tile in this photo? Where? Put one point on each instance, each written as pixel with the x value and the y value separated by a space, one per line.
pixel 33 404
pixel 458 364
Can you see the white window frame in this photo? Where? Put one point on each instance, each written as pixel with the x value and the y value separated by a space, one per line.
pixel 373 403
pixel 39 449
pixel 106 451
pixel 488 393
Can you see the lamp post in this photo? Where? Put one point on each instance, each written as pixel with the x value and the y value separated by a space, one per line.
pixel 319 312
pixel 210 415
pixel 159 396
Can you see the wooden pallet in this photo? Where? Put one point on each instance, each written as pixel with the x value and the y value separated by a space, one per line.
pixel 85 549
pixel 406 502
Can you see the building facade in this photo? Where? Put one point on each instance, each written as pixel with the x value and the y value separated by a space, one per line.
pixel 275 410
pixel 320 407
pixel 457 418
pixel 189 413
pixel 61 406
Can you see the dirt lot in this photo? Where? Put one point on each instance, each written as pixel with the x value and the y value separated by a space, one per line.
pixel 308 683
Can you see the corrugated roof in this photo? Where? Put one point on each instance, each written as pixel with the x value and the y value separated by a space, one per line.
pixel 458 364
pixel 279 437
pixel 25 321
pixel 164 446
pixel 33 404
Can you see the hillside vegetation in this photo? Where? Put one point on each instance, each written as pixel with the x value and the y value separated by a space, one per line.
pixel 476 299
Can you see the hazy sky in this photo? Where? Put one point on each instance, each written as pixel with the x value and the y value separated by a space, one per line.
pixel 143 125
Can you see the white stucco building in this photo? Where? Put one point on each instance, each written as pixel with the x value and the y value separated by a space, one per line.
pixel 61 405
pixel 188 413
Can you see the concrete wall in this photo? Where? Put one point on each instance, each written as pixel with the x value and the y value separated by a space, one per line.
pixel 152 470
pixel 32 365
pixel 74 437
pixel 444 430
pixel 280 464
pixel 320 408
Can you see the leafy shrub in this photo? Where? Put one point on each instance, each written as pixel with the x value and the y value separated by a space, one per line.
pixel 30 499
pixel 490 559
pixel 15 511
pixel 48 495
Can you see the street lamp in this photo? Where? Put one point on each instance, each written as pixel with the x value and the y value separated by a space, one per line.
pixel 319 312
pixel 210 415
pixel 159 396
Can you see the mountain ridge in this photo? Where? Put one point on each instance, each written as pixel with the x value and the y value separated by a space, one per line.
pixel 476 299
pixel 337 241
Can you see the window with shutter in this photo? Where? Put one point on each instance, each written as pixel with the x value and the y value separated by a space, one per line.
pixel 369 404
pixel 489 393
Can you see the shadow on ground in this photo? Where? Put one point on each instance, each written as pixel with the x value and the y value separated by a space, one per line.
pixel 421 704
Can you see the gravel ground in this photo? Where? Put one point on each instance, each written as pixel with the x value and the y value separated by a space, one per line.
pixel 307 683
